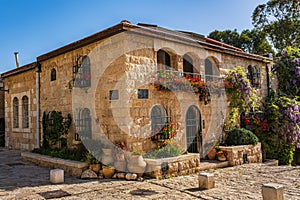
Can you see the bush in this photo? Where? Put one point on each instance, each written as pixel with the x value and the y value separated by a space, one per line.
pixel 241 136
pixel 286 154
pixel 165 152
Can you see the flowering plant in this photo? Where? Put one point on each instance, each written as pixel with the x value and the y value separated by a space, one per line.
pixel 168 131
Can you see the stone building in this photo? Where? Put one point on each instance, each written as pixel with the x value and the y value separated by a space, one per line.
pixel 127 83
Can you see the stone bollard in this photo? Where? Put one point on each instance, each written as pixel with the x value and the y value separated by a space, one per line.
pixel 56 176
pixel 206 180
pixel 272 191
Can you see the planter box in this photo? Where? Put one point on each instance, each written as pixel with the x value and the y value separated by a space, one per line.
pixel 167 167
pixel 74 168
pixel 238 155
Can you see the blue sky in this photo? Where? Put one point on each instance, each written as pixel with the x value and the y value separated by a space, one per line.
pixel 34 27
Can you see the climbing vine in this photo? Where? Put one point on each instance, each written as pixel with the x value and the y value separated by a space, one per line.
pixel 55 127
pixel 243 97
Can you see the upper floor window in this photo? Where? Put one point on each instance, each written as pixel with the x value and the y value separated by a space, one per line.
pixel 163 58
pixel 253 75
pixel 188 67
pixel 53 74
pixel 83 73
pixel 15 112
pixel 143 93
pixel 208 70
pixel 25 112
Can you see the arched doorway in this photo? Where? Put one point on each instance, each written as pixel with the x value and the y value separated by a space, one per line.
pixel 193 129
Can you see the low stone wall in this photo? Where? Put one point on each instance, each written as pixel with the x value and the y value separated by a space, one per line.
pixel 237 155
pixel 173 166
pixel 74 168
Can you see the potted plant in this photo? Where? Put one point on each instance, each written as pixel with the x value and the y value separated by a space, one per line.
pixel 108 171
pixel 94 163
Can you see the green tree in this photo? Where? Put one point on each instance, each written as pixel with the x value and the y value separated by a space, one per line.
pixel 227 36
pixel 251 41
pixel 279 19
pixel 255 41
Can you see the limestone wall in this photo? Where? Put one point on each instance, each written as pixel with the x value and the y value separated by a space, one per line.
pixel 20 85
pixel 124 62
pixel 237 155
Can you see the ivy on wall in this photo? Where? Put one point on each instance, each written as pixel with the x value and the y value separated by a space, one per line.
pixel 55 128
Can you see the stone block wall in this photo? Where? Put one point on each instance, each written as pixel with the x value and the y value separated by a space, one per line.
pixel 20 85
pixel 237 155
pixel 168 167
pixel 123 62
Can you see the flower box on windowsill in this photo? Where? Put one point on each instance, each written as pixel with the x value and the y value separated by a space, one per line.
pixel 161 137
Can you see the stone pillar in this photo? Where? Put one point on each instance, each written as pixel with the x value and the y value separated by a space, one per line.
pixel 272 191
pixel 206 180
pixel 56 176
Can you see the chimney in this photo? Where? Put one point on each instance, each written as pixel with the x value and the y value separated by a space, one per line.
pixel 17 59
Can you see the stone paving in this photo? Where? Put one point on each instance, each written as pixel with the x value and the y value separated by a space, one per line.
pixel 20 180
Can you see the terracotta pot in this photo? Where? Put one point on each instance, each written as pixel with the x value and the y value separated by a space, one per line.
pixel 136 164
pixel 108 172
pixel 95 167
pixel 212 154
pixel 221 156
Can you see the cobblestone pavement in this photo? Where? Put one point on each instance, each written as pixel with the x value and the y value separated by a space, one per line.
pixel 20 180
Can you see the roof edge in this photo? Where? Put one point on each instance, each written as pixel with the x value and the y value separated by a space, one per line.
pixel 18 70
pixel 124 25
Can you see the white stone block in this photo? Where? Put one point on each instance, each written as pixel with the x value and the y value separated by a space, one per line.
pixel 206 180
pixel 56 176
pixel 272 191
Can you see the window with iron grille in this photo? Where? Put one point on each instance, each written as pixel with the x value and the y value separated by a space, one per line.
pixel 143 93
pixel 15 112
pixel 159 118
pixel 208 70
pixel 25 112
pixel 253 75
pixel 53 74
pixel 83 73
pixel 83 125
pixel 163 58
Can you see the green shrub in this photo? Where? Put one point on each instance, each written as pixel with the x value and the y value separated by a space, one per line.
pixel 164 152
pixel 241 136
pixel 286 154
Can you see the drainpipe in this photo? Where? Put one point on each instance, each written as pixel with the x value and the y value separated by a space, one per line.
pixel 37 79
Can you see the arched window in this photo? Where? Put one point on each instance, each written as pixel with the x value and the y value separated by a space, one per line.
pixel 208 70
pixel 25 112
pixel 193 129
pixel 16 113
pixel 83 76
pixel 163 58
pixel 84 125
pixel 188 67
pixel 158 118
pixel 53 74
pixel 253 75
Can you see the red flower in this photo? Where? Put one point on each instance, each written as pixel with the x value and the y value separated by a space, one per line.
pixel 247 121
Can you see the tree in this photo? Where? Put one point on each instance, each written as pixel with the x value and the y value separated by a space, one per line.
pixel 251 41
pixel 280 21
pixel 255 41
pixel 227 36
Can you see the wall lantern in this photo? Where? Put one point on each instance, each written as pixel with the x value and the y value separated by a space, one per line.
pixel 2 85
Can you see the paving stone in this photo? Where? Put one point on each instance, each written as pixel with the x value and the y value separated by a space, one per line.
pixel 241 182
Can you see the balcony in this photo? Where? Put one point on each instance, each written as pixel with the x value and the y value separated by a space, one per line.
pixel 168 79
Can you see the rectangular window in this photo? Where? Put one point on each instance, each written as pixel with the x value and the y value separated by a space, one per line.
pixel 113 94
pixel 143 94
